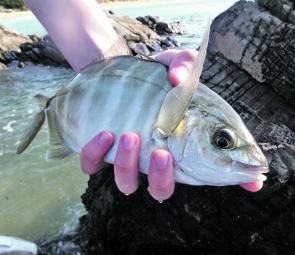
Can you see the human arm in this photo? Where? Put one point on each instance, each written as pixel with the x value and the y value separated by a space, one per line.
pixel 80 29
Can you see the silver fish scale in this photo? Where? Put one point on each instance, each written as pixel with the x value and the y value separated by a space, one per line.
pixel 119 95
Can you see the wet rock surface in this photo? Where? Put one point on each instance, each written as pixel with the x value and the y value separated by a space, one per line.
pixel 25 50
pixel 19 50
pixel 250 63
pixel 160 27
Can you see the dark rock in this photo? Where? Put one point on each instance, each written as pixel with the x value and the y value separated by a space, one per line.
pixel 283 9
pixel 155 47
pixel 163 28
pixel 26 46
pixel 37 52
pixel 53 55
pixel 24 58
pixel 259 43
pixel 245 42
pixel 9 56
pixel 139 48
pixel 160 27
pixel 149 21
pixel 31 56
pixel 154 19
pixel 168 42
pixel 144 20
pixel 35 38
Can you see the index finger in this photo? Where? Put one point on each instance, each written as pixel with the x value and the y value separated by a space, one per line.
pixel 92 154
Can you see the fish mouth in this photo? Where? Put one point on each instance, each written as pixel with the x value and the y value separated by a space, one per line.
pixel 250 173
pixel 253 170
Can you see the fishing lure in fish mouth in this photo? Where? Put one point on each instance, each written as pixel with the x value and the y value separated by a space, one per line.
pixel 209 142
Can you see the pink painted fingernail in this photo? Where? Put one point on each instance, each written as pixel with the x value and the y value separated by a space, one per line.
pixel 129 142
pixel 252 186
pixel 103 138
pixel 162 160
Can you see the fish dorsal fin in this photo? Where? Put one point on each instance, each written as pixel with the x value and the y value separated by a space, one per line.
pixel 58 148
pixel 179 98
pixel 31 132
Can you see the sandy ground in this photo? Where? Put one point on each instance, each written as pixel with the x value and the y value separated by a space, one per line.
pixel 16 14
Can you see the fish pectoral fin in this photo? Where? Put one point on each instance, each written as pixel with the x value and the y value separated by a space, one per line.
pixel 172 111
pixel 58 148
pixel 31 132
pixel 179 98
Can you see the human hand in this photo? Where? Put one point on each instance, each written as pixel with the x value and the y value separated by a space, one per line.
pixel 160 177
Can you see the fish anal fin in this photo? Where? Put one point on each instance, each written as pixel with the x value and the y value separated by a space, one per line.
pixel 58 148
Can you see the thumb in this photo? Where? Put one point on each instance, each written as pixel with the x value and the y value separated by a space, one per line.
pixel 180 63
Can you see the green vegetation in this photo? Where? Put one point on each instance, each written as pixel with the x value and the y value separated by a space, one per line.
pixel 12 4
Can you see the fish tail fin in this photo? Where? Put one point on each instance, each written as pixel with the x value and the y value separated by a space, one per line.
pixel 58 148
pixel 35 126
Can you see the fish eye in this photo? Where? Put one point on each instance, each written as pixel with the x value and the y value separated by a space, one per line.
pixel 224 139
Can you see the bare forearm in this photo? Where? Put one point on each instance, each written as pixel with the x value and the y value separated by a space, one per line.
pixel 80 29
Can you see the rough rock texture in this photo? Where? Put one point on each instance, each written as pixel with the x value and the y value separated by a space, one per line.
pixel 259 43
pixel 250 63
pixel 161 28
pixel 9 45
pixel 19 50
pixel 145 37
pixel 10 41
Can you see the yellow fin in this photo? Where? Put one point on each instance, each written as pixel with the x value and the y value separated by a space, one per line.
pixel 180 129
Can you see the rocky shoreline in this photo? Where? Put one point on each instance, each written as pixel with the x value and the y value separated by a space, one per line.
pixel 145 35
pixel 250 62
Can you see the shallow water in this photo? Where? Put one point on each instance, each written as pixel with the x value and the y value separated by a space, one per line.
pixel 37 197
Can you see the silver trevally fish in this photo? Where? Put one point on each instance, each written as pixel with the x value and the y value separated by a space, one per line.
pixel 208 140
